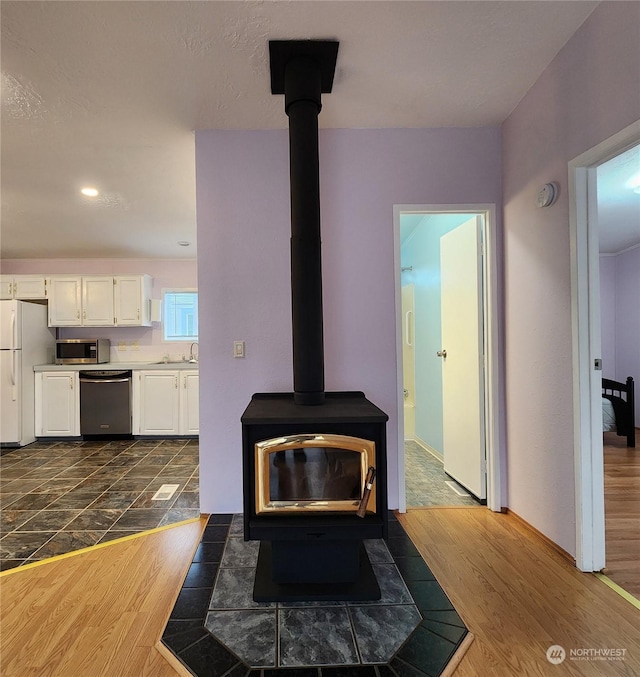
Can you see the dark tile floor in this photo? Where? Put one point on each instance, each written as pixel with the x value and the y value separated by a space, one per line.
pixel 216 629
pixel 56 497
pixel 426 480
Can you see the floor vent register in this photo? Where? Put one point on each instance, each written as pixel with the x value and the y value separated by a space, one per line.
pixel 165 492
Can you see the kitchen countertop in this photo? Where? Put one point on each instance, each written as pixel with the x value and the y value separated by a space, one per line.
pixel 170 366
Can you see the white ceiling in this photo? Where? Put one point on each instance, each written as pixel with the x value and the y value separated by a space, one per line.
pixel 618 203
pixel 109 93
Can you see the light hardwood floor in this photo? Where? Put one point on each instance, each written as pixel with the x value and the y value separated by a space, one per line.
pixel 100 613
pixel 519 596
pixel 622 511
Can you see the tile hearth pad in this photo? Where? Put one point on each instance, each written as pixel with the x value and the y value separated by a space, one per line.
pixel 216 629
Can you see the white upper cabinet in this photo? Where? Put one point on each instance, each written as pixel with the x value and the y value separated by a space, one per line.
pixel 23 287
pixel 132 300
pixel 65 301
pixel 6 287
pixel 99 301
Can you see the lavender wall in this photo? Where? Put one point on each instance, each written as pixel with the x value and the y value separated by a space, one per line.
pixel 620 316
pixel 166 274
pixel 589 92
pixel 243 248
pixel 628 319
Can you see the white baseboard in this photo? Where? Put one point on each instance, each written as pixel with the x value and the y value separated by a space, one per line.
pixel 430 449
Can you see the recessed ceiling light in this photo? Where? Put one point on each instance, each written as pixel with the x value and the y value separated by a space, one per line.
pixel 89 192
pixel 184 243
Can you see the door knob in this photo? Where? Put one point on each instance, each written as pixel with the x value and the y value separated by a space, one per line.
pixel 442 353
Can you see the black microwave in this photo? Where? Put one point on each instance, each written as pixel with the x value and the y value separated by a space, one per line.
pixel 82 351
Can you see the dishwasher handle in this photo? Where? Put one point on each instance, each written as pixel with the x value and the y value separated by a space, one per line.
pixel 105 380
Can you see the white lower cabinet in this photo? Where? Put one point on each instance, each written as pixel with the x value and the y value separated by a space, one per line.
pixel 57 404
pixel 189 403
pixel 165 402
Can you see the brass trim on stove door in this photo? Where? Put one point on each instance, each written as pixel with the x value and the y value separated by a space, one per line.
pixel 265 448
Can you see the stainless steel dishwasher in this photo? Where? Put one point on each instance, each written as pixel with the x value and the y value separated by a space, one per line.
pixel 105 402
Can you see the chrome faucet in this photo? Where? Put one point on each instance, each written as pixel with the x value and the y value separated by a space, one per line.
pixel 193 357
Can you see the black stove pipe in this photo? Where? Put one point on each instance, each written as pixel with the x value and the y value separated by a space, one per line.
pixel 302 89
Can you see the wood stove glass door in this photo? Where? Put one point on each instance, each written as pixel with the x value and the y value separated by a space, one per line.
pixel 312 473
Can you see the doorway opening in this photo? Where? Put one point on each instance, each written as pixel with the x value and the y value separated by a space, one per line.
pixel 591 341
pixel 446 292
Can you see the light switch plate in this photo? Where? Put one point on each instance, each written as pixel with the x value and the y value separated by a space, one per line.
pixel 238 348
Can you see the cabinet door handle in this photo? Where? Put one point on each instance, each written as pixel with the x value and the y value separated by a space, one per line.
pixel 71 382
pixel 176 383
pixel 138 313
pixel 78 315
pixel 15 289
pixel 185 383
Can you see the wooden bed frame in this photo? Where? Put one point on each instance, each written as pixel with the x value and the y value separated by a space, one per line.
pixel 623 407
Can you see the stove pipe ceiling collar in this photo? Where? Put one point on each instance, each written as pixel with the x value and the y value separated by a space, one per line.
pixel 302 70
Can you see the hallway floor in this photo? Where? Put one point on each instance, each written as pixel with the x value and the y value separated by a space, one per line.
pixel 426 480
pixel 57 497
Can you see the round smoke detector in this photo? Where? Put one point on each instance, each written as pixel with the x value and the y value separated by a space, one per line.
pixel 547 195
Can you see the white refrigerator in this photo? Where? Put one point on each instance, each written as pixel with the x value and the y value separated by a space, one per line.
pixel 25 340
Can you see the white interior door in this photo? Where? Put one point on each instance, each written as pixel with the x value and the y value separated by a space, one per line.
pixel 462 356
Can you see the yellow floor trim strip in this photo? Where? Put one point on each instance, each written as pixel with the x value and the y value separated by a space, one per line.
pixel 621 591
pixel 57 558
pixel 452 665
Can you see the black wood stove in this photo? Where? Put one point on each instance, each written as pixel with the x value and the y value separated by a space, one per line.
pixel 314 463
